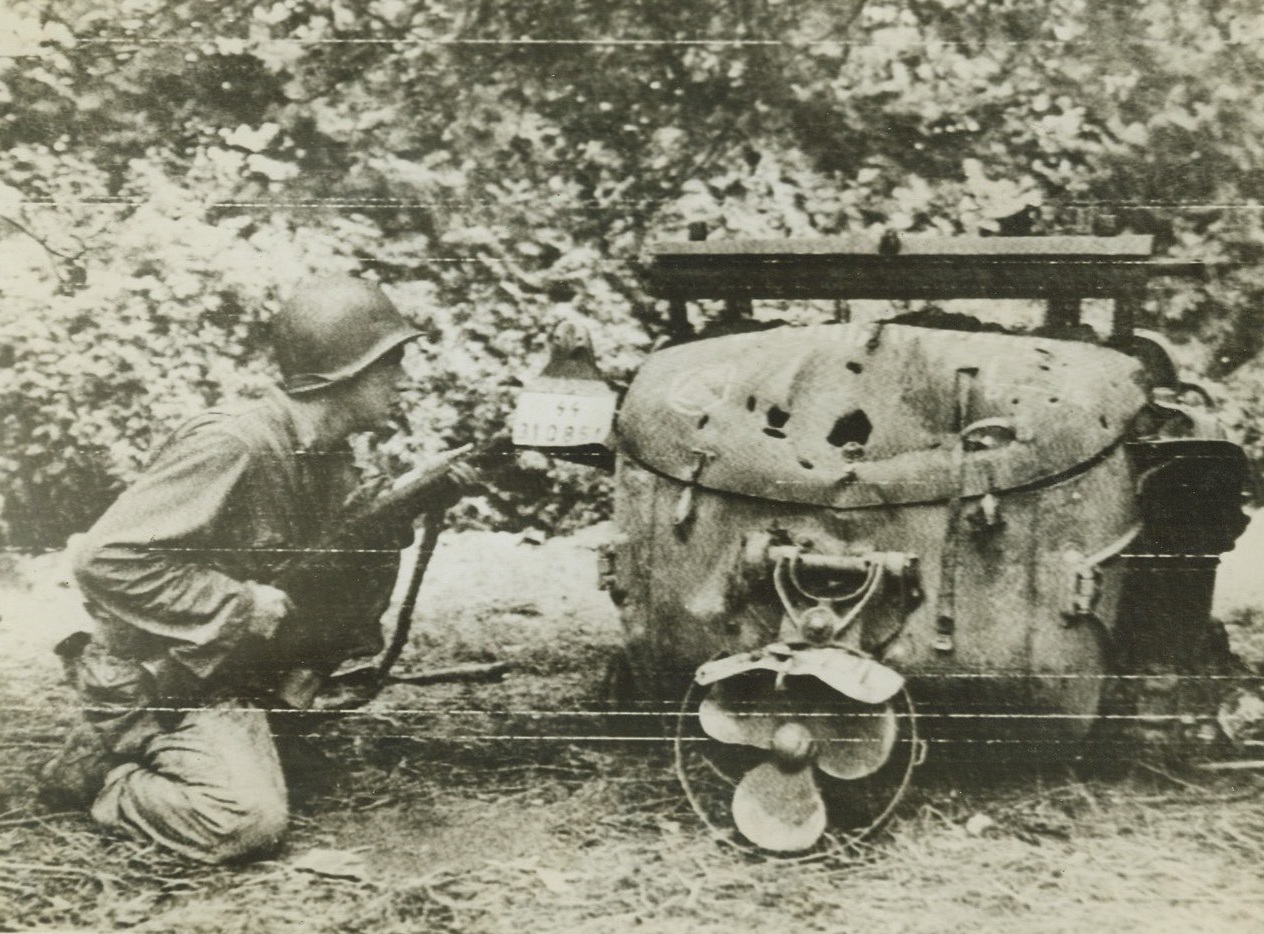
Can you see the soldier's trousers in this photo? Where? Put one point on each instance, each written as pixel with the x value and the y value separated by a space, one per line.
pixel 203 781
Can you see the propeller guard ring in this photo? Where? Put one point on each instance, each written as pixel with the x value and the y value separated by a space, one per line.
pixel 832 841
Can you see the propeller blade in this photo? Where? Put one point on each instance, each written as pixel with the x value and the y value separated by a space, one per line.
pixel 721 669
pixel 779 810
pixel 849 674
pixel 852 740
pixel 726 722
pixel 854 744
pixel 859 678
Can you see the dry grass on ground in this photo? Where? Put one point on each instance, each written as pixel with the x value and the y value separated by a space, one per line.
pixel 483 809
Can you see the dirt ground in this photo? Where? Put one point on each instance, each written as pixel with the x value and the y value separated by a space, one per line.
pixel 504 808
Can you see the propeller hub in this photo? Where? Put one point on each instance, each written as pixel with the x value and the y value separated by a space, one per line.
pixel 793 745
pixel 817 624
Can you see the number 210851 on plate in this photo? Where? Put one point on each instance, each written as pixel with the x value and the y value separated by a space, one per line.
pixel 552 419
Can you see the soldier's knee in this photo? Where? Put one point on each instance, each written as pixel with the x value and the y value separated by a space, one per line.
pixel 249 828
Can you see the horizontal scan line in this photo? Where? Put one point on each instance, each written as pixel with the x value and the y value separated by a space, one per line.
pixel 539 714
pixel 611 41
pixel 406 203
pixel 944 742
pixel 342 204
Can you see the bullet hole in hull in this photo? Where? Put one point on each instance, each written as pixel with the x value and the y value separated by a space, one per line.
pixel 854 427
pixel 777 419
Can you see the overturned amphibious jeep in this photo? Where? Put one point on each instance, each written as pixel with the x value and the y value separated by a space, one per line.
pixel 845 548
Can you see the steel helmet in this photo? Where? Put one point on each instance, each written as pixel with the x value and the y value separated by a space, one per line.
pixel 332 328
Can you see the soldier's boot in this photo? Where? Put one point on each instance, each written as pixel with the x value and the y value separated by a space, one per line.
pixel 309 771
pixel 73 778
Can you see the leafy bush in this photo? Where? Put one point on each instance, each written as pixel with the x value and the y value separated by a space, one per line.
pixel 170 166
pixel 165 318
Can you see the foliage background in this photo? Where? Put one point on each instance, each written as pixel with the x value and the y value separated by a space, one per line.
pixel 168 168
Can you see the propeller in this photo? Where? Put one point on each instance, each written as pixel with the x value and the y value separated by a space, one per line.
pixel 810 715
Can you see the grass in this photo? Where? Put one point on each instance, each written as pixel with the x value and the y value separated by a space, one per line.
pixel 483 808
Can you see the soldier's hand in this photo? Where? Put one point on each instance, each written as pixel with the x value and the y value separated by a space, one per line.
pixel 350 690
pixel 465 475
pixel 299 687
pixel 272 606
pixel 458 481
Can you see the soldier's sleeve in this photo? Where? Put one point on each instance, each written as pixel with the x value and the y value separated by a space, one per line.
pixel 148 562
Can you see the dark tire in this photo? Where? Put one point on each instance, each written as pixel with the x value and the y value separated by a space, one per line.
pixel 1167 711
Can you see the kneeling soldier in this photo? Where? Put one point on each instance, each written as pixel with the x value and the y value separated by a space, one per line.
pixel 192 645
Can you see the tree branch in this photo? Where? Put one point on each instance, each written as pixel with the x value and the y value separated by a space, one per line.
pixel 43 243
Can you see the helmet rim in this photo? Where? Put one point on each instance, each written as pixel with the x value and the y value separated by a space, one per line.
pixel 333 328
pixel 310 382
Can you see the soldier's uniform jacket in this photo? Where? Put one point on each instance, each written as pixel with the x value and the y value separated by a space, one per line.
pixel 171 571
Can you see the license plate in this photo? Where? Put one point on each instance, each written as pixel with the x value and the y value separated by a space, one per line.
pixel 559 420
